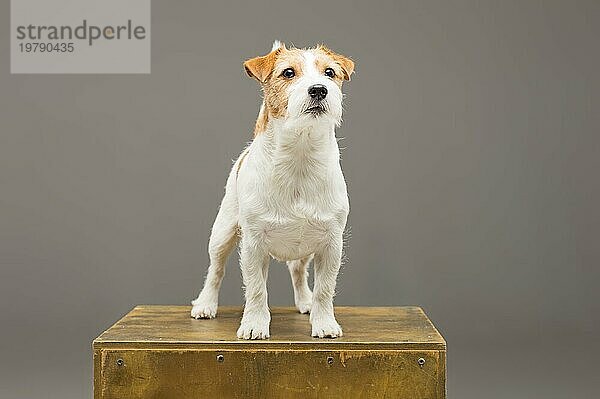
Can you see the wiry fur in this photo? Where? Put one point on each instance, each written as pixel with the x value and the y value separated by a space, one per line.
pixel 285 196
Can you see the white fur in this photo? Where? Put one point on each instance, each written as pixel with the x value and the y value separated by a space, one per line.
pixel 289 201
pixel 276 45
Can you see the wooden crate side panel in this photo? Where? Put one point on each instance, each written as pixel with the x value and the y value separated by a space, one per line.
pixel 178 374
pixel 97 374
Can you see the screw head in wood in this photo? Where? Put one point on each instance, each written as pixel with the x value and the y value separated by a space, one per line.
pixel 421 362
pixel 330 359
pixel 120 362
pixel 220 358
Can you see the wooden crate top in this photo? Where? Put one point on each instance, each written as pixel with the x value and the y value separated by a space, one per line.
pixel 381 328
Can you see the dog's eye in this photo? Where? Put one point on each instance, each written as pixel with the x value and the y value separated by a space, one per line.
pixel 288 73
pixel 330 72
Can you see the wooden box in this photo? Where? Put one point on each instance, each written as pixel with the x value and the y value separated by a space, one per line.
pixel 160 352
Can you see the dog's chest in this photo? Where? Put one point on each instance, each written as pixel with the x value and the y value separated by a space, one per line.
pixel 297 217
pixel 299 229
pixel 294 197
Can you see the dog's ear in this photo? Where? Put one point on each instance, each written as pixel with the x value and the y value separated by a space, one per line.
pixel 260 68
pixel 346 63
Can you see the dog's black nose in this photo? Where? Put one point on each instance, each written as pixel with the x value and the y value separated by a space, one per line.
pixel 318 92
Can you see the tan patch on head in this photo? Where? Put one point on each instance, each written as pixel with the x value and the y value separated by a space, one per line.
pixel 275 88
pixel 267 70
pixel 324 61
pixel 341 63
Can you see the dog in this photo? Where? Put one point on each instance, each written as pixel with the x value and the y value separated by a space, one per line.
pixel 286 196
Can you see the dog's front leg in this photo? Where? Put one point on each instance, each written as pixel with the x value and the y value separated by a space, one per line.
pixel 327 265
pixel 254 262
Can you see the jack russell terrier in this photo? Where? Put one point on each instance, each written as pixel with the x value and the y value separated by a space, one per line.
pixel 286 196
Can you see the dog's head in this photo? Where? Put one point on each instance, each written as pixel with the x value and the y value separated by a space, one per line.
pixel 301 83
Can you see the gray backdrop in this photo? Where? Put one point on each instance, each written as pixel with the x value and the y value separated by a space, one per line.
pixel 471 149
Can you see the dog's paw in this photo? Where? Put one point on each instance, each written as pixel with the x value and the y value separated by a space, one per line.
pixel 326 327
pixel 303 300
pixel 304 306
pixel 254 329
pixel 203 309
